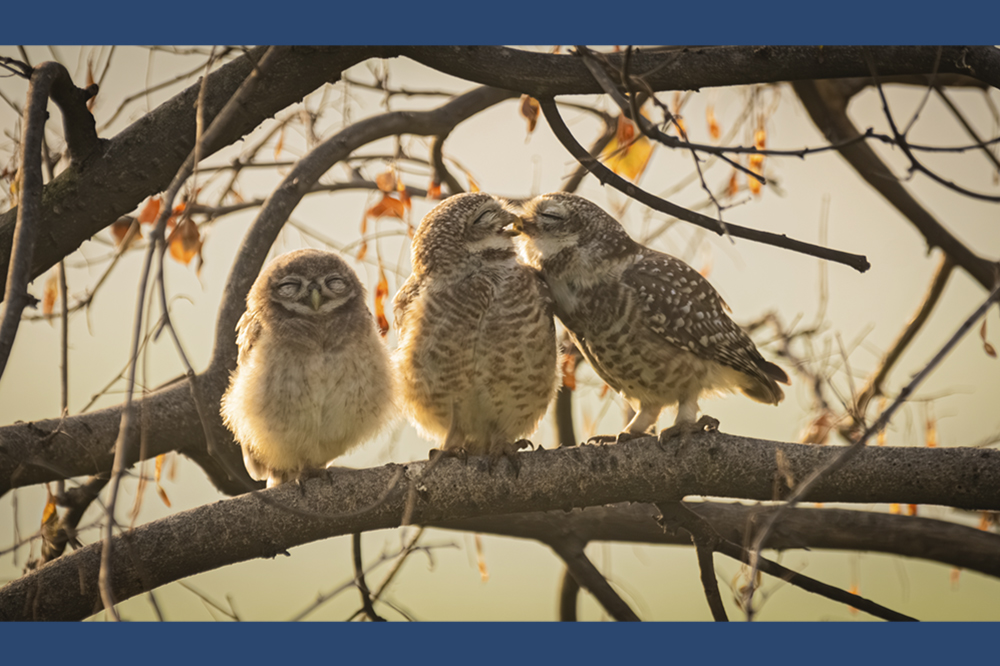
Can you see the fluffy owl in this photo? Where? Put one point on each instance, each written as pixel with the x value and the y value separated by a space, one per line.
pixel 650 325
pixel 313 378
pixel 477 346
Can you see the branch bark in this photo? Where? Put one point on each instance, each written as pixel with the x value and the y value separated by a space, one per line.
pixel 247 527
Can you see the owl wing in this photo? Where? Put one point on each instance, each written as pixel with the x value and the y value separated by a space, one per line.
pixel 248 330
pixel 681 307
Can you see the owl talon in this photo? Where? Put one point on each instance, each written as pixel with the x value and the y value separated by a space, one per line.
pixel 705 424
pixel 459 452
pixel 601 440
pixel 510 454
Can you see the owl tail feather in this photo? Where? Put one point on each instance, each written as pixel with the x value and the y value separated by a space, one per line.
pixel 763 387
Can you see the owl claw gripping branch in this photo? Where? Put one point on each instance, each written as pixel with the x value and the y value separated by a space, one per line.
pixel 651 326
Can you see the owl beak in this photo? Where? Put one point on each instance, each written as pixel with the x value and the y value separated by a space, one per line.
pixel 516 228
pixel 314 297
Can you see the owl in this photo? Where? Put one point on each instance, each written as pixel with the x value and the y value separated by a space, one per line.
pixel 477 347
pixel 313 378
pixel 651 327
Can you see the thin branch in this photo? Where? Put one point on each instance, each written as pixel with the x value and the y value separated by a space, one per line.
pixel 569 594
pixel 359 580
pixel 968 126
pixel 836 463
pixel 605 175
pixel 589 578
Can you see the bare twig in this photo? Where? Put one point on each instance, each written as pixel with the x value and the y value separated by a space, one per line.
pixel 589 578
pixel 359 580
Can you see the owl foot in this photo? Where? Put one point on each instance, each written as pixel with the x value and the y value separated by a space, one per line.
pixel 705 424
pixel 458 452
pixel 508 452
pixel 602 440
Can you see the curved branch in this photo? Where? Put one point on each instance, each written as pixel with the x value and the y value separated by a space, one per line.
pixel 587 576
pixel 606 175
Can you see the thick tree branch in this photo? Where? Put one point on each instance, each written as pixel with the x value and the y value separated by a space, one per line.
pixel 143 158
pixel 546 75
pixel 246 527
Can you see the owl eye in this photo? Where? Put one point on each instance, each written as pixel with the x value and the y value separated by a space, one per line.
pixel 288 287
pixel 482 216
pixel 552 216
pixel 336 283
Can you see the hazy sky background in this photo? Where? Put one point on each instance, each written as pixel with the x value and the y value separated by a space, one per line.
pixel 866 310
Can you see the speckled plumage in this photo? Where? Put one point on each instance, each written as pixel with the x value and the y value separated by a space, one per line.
pixel 652 327
pixel 313 378
pixel 477 348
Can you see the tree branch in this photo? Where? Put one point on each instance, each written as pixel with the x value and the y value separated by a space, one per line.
pixel 587 576
pixel 247 527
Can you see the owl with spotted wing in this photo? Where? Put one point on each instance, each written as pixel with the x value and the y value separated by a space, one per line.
pixel 651 326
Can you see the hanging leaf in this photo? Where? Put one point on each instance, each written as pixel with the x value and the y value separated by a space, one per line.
pixel 51 293
pixel 280 143
pixel 49 513
pixel 714 130
pixel 626 154
pixel 895 509
pixel 911 509
pixel 473 185
pixel 990 351
pixel 120 229
pixel 185 241
pixel 734 184
pixel 381 293
pixel 386 180
pixel 484 573
pixel 931 438
pixel 149 210
pixel 172 220
pixel 160 459
pixel 434 191
pixel 389 206
pixel 363 247
pixel 529 109
pixel 569 371
pixel 818 431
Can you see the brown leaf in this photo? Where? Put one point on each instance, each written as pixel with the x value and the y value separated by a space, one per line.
pixel 389 206
pixel 713 125
pixel 894 509
pixel 931 438
pixel 911 509
pixel 734 185
pixel 49 514
pixel 280 143
pixel 51 293
pixel 818 430
pixel 484 573
pixel 434 191
pixel 160 459
pixel 569 371
pixel 529 109
pixel 386 181
pixel 990 351
pixel 149 211
pixel 185 241
pixel 381 293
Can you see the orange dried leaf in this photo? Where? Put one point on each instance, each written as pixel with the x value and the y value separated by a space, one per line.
pixel 362 251
pixel 280 143
pixel 714 130
pixel 529 109
pixel 818 431
pixel 760 140
pixel 895 509
pixel 986 518
pixel 49 514
pixel 51 293
pixel 386 181
pixel 388 207
pixel 734 185
pixel 682 130
pixel 149 211
pixel 931 430
pixel 160 459
pixel 172 220
pixel 381 293
pixel 569 371
pixel 484 573
pixel 604 391
pixel 434 191
pixel 990 351
pixel 185 241
pixel 404 196
pixel 911 509
pixel 626 154
pixel 473 185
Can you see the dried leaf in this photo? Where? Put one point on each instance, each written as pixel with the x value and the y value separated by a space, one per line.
pixel 714 130
pixel 51 293
pixel 149 211
pixel 160 459
pixel 895 509
pixel 911 509
pixel 473 185
pixel 120 229
pixel 986 519
pixel 529 109
pixel 389 206
pixel 569 371
pixel 280 143
pixel 49 513
pixel 434 191
pixel 604 391
pixel 734 184
pixel 386 180
pixel 185 241
pixel 172 220
pixel 484 573
pixel 931 438
pixel 381 293
pixel 404 196
pixel 626 154
pixel 362 251
pixel 760 140
pixel 818 430
pixel 990 351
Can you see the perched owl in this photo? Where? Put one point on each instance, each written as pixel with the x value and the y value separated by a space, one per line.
pixel 477 346
pixel 650 325
pixel 313 378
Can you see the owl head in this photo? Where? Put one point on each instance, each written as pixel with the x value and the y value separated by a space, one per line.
pixel 564 230
pixel 464 231
pixel 306 283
